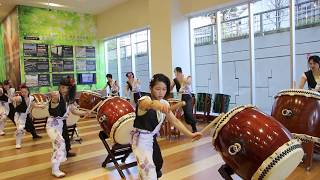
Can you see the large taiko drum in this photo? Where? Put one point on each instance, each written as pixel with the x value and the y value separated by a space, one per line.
pixel 116 116
pixel 299 111
pixel 255 145
pixel 89 99
pixel 40 113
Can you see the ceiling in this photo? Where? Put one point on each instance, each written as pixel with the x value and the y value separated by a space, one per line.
pixel 82 6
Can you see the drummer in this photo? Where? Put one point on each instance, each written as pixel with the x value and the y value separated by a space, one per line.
pixel 150 114
pixel 22 118
pixel 9 92
pixel 62 103
pixel 312 77
pixel 183 86
pixel 112 87
pixel 132 89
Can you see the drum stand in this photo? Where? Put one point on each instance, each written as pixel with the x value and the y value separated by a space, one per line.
pixel 115 153
pixel 72 130
pixel 226 172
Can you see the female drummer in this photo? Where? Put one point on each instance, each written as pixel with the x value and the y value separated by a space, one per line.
pixel 150 114
pixel 312 77
pixel 112 87
pixel 6 94
pixel 22 117
pixel 61 104
pixel 132 89
pixel 4 108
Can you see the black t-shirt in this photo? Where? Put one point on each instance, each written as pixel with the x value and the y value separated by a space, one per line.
pixel 310 79
pixel 148 121
pixel 4 97
pixel 177 83
pixel 22 107
pixel 60 110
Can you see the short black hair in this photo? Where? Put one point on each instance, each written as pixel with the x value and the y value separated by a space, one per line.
pixel 6 82
pixel 178 69
pixel 109 76
pixel 127 74
pixel 160 78
pixel 315 59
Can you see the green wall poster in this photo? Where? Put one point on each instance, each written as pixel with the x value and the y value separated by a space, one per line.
pixel 55 28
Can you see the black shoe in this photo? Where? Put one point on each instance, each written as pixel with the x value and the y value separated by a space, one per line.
pixel 36 136
pixel 159 174
pixel 70 154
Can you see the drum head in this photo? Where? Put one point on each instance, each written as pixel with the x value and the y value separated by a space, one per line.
pixel 72 119
pixel 299 92
pixel 40 113
pixel 282 162
pixel 121 130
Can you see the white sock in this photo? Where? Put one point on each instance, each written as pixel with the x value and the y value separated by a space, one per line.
pixel 56 171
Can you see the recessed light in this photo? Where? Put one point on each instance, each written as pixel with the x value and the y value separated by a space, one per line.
pixel 52 4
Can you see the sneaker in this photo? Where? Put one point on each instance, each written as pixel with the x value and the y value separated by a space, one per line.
pixel 36 137
pixel 2 133
pixel 58 174
pixel 70 154
pixel 18 146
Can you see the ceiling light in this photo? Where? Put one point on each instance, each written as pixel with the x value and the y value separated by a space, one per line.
pixel 52 4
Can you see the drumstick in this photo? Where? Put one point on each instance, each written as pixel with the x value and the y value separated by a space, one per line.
pixel 177 106
pixel 212 124
pixel 89 112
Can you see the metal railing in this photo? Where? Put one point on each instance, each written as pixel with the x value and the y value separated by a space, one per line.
pixel 307 13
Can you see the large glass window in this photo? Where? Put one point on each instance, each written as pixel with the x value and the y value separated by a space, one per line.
pixel 129 53
pixel 271 24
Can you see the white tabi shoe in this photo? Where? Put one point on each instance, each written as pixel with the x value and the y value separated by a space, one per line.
pixel 58 174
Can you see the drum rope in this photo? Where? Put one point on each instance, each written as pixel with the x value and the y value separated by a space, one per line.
pixel 306 138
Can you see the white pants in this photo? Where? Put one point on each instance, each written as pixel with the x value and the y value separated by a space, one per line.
pixel 142 147
pixel 3 119
pixel 4 111
pixel 20 120
pixel 54 131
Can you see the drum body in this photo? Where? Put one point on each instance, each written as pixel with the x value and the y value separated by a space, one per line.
pixel 203 102
pixel 221 103
pixel 298 110
pixel 255 145
pixel 116 117
pixel 88 100
pixel 40 113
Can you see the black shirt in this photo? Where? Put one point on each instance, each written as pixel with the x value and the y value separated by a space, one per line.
pixel 4 97
pixel 22 107
pixel 60 110
pixel 148 121
pixel 310 79
pixel 177 83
